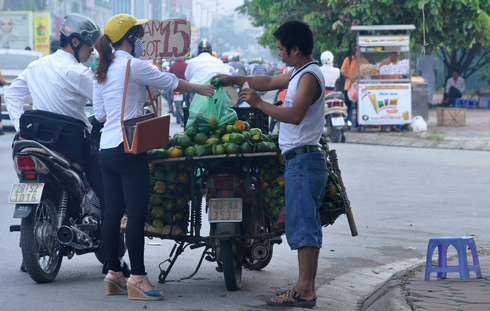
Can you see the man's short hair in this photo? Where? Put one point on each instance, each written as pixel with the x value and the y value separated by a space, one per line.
pixel 295 33
pixel 456 70
pixel 64 41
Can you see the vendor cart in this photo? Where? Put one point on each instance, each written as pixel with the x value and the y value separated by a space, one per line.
pixel 384 86
pixel 243 196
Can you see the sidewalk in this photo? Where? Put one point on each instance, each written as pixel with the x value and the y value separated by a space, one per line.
pixel 407 289
pixel 475 135
pixel 433 295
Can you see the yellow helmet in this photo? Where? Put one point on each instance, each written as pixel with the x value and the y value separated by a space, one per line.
pixel 254 60
pixel 215 54
pixel 118 25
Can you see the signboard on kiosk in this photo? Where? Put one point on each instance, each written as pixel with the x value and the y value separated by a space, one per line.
pixel 385 104
pixel 168 39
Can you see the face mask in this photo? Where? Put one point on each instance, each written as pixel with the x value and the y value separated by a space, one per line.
pixel 138 48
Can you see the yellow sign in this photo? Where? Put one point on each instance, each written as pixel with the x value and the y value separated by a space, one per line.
pixel 41 32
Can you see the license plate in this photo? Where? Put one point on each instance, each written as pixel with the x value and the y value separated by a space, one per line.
pixel 225 210
pixel 178 97
pixel 338 121
pixel 26 193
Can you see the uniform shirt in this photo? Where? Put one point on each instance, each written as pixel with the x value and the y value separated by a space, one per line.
pixel 427 66
pixel 459 84
pixel 203 67
pixel 351 68
pixel 260 70
pixel 239 68
pixel 308 132
pixel 58 83
pixel 108 95
pixel 330 74
pixel 178 69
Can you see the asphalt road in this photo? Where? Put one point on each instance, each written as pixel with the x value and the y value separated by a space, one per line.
pixel 400 197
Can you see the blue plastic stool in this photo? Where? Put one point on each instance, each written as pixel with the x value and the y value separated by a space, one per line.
pixel 460 103
pixel 460 243
pixel 486 103
pixel 471 103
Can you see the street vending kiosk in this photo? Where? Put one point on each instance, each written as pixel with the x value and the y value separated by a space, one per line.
pixel 384 88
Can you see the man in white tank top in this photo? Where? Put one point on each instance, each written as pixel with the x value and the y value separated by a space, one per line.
pixel 302 117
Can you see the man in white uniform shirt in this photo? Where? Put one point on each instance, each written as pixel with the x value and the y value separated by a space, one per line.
pixel 303 118
pixel 455 88
pixel 330 73
pixel 428 70
pixel 59 83
pixel 201 68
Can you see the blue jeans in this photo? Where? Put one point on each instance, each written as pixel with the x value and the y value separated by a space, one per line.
pixel 306 179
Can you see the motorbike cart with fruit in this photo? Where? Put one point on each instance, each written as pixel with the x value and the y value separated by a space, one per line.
pixel 237 171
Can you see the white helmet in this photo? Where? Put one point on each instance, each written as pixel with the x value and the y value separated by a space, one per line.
pixel 327 57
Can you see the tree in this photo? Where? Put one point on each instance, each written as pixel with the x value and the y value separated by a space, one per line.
pixel 460 29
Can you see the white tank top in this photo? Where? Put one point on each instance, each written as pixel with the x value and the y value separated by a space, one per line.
pixel 308 132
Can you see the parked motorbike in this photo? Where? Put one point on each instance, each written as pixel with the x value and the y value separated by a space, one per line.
pixel 60 215
pixel 178 101
pixel 336 113
pixel 240 229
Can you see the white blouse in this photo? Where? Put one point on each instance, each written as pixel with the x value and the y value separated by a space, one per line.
pixel 108 95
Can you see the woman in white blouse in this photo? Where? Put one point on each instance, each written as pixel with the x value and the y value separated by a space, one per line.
pixel 126 176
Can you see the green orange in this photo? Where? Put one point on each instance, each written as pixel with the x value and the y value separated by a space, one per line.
pixel 232 148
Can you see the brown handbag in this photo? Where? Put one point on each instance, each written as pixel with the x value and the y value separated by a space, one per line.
pixel 146 132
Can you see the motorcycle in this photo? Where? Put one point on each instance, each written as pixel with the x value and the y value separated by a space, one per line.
pixel 60 214
pixel 240 230
pixel 178 101
pixel 336 122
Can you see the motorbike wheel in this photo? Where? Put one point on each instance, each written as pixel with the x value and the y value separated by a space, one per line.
pixel 259 265
pixel 232 266
pixel 336 136
pixel 178 117
pixel 100 255
pixel 40 246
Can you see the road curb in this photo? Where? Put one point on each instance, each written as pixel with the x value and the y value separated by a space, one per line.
pixel 391 294
pixel 398 141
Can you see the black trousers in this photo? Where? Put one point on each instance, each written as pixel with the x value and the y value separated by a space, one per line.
pixel 347 101
pixel 126 187
pixel 453 94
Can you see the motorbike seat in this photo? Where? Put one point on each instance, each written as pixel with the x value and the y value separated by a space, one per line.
pixel 74 165
pixel 335 95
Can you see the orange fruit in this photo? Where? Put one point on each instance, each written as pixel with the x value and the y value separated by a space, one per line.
pixel 175 152
pixel 255 131
pixel 237 138
pixel 240 125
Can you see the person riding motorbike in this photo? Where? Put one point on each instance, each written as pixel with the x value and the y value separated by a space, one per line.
pixel 330 73
pixel 59 83
pixel 201 68
pixel 238 65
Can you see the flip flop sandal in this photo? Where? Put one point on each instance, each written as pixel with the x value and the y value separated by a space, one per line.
pixel 280 293
pixel 287 298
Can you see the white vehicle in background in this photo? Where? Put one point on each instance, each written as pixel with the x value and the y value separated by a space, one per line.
pixel 13 62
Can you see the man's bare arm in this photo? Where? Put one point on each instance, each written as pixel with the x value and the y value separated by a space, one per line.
pixel 308 91
pixel 258 83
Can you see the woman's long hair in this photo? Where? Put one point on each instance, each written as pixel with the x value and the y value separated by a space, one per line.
pixel 105 50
